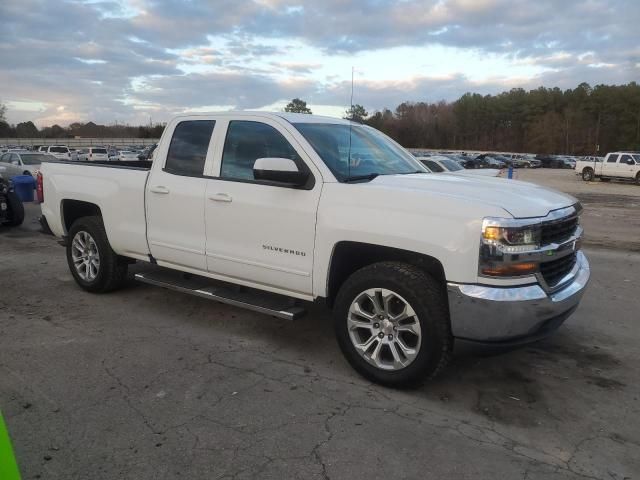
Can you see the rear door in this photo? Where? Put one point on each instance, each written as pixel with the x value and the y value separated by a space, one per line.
pixel 610 167
pixel 258 232
pixel 10 168
pixel 175 196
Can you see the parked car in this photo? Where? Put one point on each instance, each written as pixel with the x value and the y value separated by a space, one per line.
pixel 11 208
pixel 61 152
pixel 486 160
pixel 440 163
pixel 147 153
pixel 409 261
pixel 554 161
pixel 95 154
pixel 127 156
pixel 622 165
pixel 24 162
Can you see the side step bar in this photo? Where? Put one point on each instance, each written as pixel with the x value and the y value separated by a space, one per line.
pixel 251 299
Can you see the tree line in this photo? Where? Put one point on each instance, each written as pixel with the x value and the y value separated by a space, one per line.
pixel 77 129
pixel 581 121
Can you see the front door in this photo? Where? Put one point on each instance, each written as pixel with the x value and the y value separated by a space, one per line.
pixel 175 197
pixel 257 232
pixel 626 166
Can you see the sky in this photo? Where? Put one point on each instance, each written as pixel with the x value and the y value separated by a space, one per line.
pixel 141 61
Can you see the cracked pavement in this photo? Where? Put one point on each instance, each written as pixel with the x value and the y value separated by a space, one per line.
pixel 145 383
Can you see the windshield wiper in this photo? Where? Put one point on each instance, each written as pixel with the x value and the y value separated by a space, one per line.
pixel 358 178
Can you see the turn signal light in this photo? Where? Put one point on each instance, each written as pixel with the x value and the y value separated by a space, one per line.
pixel 514 269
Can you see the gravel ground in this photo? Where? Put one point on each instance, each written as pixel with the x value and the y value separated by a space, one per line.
pixel 149 384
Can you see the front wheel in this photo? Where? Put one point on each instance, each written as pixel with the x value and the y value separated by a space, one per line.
pixel 93 264
pixel 638 178
pixel 392 324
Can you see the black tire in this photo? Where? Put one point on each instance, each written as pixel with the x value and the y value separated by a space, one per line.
pixel 638 178
pixel 112 272
pixel 588 174
pixel 425 295
pixel 16 210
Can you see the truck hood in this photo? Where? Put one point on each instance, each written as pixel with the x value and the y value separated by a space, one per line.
pixel 520 199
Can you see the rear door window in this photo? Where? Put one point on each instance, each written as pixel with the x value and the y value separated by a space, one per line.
pixel 188 148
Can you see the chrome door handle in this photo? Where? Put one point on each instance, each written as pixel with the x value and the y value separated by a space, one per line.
pixel 159 189
pixel 221 197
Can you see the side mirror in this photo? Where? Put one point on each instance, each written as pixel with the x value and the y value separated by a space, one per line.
pixel 280 170
pixel 15 162
pixel 630 161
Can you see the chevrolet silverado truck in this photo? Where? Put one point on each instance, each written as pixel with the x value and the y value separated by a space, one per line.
pixel 269 211
pixel 621 165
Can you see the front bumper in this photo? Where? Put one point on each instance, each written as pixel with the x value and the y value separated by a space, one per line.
pixel 482 313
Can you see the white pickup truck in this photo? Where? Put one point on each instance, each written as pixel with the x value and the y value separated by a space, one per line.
pixel 624 165
pixel 269 211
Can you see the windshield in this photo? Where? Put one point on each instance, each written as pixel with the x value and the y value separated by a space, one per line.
pixel 35 158
pixel 99 150
pixel 371 151
pixel 451 165
pixel 59 149
pixel 636 158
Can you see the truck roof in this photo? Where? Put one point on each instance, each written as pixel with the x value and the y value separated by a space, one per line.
pixel 290 117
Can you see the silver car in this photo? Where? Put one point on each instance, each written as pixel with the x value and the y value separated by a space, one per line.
pixel 23 162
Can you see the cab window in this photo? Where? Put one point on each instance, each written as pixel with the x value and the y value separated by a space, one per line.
pixel 612 159
pixel 188 148
pixel 246 142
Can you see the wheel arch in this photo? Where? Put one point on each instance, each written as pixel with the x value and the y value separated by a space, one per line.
pixel 349 256
pixel 72 210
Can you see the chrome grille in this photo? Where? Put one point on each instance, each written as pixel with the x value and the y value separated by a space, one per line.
pixel 558 231
pixel 555 270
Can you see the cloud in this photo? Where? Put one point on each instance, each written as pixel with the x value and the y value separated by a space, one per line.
pixel 123 60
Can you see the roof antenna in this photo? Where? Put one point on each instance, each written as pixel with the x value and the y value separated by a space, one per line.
pixel 350 124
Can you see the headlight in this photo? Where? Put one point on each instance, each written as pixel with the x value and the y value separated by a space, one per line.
pixel 503 242
pixel 511 239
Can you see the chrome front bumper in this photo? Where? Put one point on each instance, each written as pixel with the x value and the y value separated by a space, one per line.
pixel 495 314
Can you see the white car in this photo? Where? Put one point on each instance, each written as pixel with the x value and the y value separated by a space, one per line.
pixel 61 152
pixel 410 262
pixel 127 156
pixel 440 163
pixel 94 154
pixel 23 162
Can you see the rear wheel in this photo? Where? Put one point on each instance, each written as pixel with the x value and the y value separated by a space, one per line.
pixel 638 178
pixel 392 325
pixel 16 210
pixel 92 262
pixel 588 175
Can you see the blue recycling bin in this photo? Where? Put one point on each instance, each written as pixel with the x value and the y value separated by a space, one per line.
pixel 24 185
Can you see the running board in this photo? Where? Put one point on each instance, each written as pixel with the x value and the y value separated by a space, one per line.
pixel 257 300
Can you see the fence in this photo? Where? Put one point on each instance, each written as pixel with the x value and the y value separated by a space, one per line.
pixel 79 142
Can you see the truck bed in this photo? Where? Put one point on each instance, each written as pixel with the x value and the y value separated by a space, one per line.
pixel 117 189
